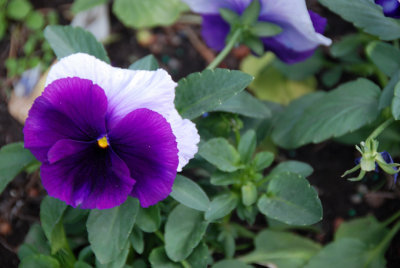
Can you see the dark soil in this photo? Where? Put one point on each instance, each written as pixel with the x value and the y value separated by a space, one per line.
pixel 342 200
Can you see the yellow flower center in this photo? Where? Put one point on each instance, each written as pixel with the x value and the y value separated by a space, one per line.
pixel 103 142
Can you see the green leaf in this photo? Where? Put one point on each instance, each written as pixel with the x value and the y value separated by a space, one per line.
pixel 345 252
pixel 396 102
pixel 221 154
pixel 251 13
pixel 283 249
pixel 263 160
pixel 343 110
pixel 148 63
pixel 231 264
pixel 293 166
pixel 51 212
pixel 368 230
pixel 188 193
pixel 119 261
pixel 223 178
pixel 82 5
pixel 158 259
pixel 265 29
pixel 385 56
pixel 35 243
pixel 137 240
pixel 13 159
pixel 149 219
pixel 203 92
pixel 149 13
pixel 221 206
pixel 245 104
pixel 67 40
pixel 35 20
pixel 247 146
pixel 388 92
pixel 228 15
pixel 199 257
pixel 81 264
pixel 18 9
pixel 184 230
pixel 41 261
pixel 109 229
pixel 367 15
pixel 291 199
pixel 249 194
pixel 348 45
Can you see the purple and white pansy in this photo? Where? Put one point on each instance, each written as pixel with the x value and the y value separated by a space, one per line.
pixel 301 29
pixel 104 133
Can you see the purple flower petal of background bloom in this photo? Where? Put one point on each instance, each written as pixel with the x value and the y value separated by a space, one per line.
pixel 214 31
pixel 70 108
pixel 144 140
pixel 388 159
pixel 391 8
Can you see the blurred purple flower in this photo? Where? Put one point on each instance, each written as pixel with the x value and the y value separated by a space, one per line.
pixel 302 29
pixel 388 159
pixel 103 133
pixel 391 8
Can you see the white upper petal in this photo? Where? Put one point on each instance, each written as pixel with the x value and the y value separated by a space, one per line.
pixel 293 14
pixel 128 90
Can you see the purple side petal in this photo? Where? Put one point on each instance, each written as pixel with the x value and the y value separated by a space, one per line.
pixel 90 178
pixel 318 22
pixel 214 31
pixel 69 108
pixel 391 8
pixel 145 142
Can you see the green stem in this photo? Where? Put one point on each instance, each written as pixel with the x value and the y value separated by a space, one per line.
pixel 232 42
pixel 392 218
pixel 380 129
pixel 185 264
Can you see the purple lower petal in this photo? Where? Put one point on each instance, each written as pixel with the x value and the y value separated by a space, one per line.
pixel 91 177
pixel 145 142
pixel 214 31
pixel 391 8
pixel 69 108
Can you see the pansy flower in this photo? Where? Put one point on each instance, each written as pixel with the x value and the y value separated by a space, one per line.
pixel 391 8
pixel 104 133
pixel 301 29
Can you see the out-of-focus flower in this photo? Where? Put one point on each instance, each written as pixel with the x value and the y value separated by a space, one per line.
pixel 103 133
pixel 301 29
pixel 391 8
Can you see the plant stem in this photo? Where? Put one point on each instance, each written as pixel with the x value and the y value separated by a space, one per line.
pixel 232 42
pixel 380 129
pixel 392 218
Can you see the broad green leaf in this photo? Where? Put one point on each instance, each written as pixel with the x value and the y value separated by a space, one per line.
pixel 221 178
pixel 18 9
pixel 149 13
pixel 82 5
pixel 349 44
pixel 149 219
pixel 67 40
pixel 221 154
pixel 396 102
pixel 119 261
pixel 221 206
pixel 291 199
pixel 81 264
pixel 293 166
pixel 231 264
pixel 35 243
pixel 346 252
pixel 367 230
pixel 188 193
pixel 137 240
pixel 343 110
pixel 245 104
pixel 247 146
pixel 385 56
pixel 263 160
pixel 148 63
pixel 203 92
pixel 184 230
pixel 199 257
pixel 41 261
pixel 388 92
pixel 13 159
pixel 366 15
pixel 159 259
pixel 283 130
pixel 109 229
pixel 283 249
pixel 51 212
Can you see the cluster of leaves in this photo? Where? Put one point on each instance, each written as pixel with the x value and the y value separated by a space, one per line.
pixel 20 17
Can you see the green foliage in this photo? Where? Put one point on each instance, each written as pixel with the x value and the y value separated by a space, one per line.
pixel 396 102
pixel 18 9
pixel 67 40
pixel 291 199
pixel 149 219
pixel 366 15
pixel 42 261
pixel 148 63
pixel 203 92
pixel 221 206
pixel 14 158
pixel 221 154
pixel 386 57
pixel 149 13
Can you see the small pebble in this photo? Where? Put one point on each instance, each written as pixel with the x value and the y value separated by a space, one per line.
pixel 5 228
